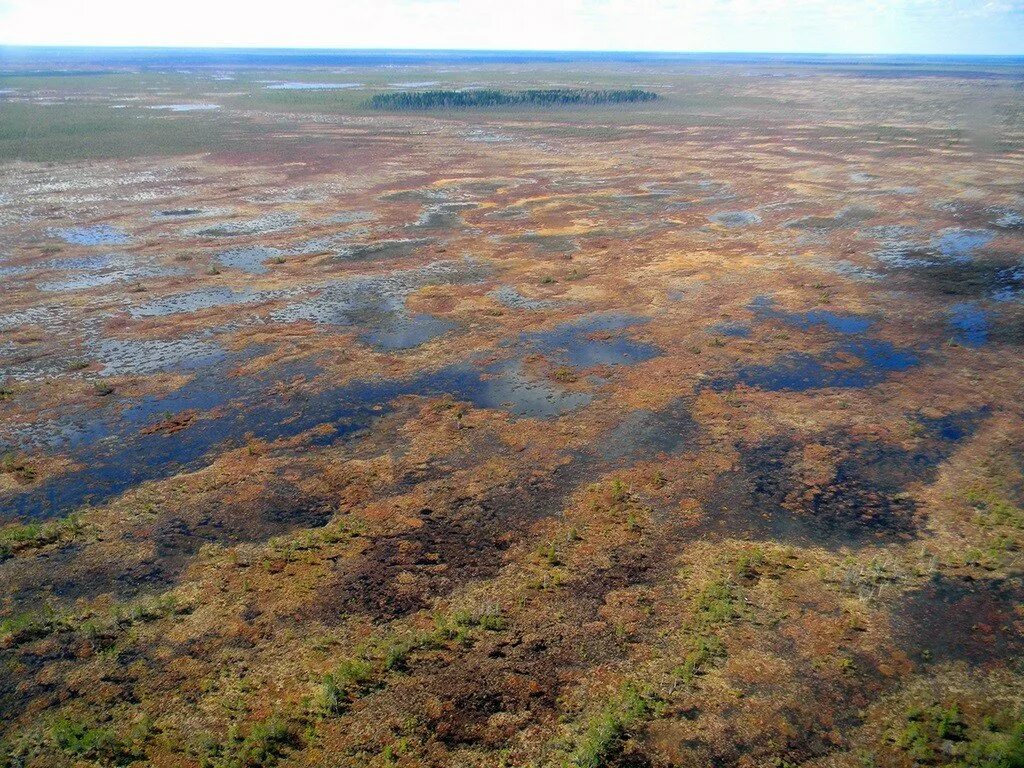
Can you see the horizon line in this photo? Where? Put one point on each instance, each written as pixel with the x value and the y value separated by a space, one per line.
pixel 383 50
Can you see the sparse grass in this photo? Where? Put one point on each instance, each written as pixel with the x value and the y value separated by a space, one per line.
pixel 604 734
pixel 994 509
pixel 716 604
pixel 349 680
pixel 614 500
pixel 20 468
pixel 367 670
pixel 491 98
pixel 259 745
pixel 99 744
pixel 21 537
pixel 566 374
pixel 703 651
pixel 100 629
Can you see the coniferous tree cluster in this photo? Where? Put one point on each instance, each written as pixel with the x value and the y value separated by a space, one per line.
pixel 494 98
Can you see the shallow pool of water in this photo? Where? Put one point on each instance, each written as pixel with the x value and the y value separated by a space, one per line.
pixel 406 331
pixel 592 340
pixel 960 244
pixel 513 299
pixel 250 259
pixel 205 298
pixel 235 408
pixel 271 222
pixel 970 324
pixel 852 364
pixel 735 219
pixel 764 309
pixel 312 86
pixel 100 234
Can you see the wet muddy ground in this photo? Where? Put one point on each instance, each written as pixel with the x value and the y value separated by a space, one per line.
pixel 682 434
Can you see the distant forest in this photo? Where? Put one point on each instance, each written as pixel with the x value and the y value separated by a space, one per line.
pixel 493 98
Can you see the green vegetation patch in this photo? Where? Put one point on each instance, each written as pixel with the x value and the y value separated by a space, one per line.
pixel 486 98
pixel 940 734
pixel 261 744
pixel 76 131
pixel 21 537
pixel 605 734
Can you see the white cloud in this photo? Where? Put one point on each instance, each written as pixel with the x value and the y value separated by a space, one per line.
pixel 523 24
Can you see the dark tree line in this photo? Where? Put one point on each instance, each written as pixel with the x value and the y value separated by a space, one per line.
pixel 494 98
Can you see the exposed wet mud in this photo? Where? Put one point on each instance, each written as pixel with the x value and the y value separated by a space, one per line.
pixel 953 619
pixel 835 491
pixel 643 435
pixel 458 540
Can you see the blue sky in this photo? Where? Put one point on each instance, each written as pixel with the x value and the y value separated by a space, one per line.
pixel 850 26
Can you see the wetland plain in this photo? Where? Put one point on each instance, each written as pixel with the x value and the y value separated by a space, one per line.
pixel 510 410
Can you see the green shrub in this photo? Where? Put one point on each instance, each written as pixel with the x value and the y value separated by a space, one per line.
pixel 263 745
pixel 349 680
pixel 91 743
pixel 716 604
pixel 703 651
pixel 604 735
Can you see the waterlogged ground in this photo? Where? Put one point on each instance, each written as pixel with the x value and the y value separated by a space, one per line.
pixel 680 433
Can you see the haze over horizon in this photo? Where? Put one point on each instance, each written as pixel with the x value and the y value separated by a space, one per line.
pixel 954 27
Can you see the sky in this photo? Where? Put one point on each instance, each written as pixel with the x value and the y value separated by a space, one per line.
pixel 819 26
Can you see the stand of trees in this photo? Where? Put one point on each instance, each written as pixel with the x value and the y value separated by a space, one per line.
pixel 494 98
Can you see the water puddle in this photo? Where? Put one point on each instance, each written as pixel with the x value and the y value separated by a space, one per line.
pixel 384 249
pixel 735 219
pixel 848 217
pixel 271 222
pixel 312 86
pixel 960 244
pixel 513 299
pixel 143 357
pixel 764 309
pixel 644 435
pixel 186 107
pixel 442 217
pixel 100 234
pixel 179 213
pixel 850 365
pixel 1012 220
pixel 421 196
pixel 950 245
pixel 250 259
pixel 206 298
pixel 969 323
pixel 191 213
pixel 403 331
pixel 548 243
pixel 349 217
pixel 592 340
pixel 121 453
pixel 97 271
pixel 733 330
pixel 840 491
pixel 372 299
